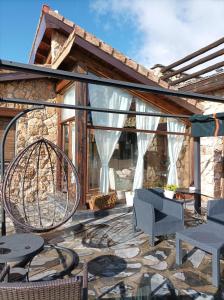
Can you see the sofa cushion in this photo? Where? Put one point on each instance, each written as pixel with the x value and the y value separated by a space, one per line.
pixel 166 223
pixel 217 218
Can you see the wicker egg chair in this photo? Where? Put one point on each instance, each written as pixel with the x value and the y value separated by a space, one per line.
pixel 41 189
pixel 41 192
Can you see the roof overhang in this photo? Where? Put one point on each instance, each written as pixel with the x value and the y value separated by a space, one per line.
pixel 52 21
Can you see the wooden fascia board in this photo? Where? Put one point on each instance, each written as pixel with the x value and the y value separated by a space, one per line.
pixel 54 23
pixel 39 37
pixel 112 61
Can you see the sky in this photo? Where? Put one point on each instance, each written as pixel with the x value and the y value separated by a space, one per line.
pixel 148 31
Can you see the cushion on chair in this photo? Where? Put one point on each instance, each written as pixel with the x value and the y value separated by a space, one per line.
pixel 166 223
pixel 217 218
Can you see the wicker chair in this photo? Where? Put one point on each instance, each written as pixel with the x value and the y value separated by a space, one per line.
pixel 156 215
pixel 74 288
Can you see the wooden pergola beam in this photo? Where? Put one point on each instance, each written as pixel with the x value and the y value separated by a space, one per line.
pixel 194 54
pixel 212 83
pixel 206 70
pixel 194 64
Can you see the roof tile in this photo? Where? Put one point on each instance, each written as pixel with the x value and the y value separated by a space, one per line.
pixel 92 39
pixel 68 22
pixel 142 70
pixel 131 63
pixel 118 55
pixel 56 15
pixel 79 31
pixel 106 48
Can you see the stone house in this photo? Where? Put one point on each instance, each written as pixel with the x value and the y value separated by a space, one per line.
pixel 61 44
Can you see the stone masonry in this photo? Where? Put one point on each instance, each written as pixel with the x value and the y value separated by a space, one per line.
pixel 212 155
pixel 31 127
pixel 34 124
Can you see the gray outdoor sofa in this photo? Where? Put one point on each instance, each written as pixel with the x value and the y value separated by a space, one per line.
pixel 215 211
pixel 208 237
pixel 155 214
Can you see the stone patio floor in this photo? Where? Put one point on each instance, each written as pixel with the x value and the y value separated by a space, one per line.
pixel 122 265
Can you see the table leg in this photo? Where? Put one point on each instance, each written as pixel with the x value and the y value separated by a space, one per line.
pixel 215 268
pixel 178 251
pixel 197 203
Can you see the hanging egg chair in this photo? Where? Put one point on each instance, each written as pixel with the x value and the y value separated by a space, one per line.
pixel 41 189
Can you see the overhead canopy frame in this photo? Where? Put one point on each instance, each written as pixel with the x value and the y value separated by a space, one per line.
pixel 59 74
pixel 207 125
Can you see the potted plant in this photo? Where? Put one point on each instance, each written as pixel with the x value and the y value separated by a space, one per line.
pixel 169 190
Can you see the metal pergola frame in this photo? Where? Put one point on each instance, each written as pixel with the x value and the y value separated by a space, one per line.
pixel 59 74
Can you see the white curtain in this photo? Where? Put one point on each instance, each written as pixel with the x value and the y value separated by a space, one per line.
pixel 106 140
pixel 174 146
pixel 144 139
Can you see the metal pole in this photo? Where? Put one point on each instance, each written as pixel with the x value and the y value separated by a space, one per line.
pixel 6 131
pixel 89 108
pixel 197 174
pixel 60 74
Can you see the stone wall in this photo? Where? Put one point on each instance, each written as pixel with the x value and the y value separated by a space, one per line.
pixel 212 155
pixel 30 127
pixel 157 162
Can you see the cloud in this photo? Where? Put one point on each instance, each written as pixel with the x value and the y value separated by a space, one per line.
pixel 165 30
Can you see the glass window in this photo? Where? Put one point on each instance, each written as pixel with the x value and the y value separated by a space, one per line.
pixel 124 159
pixel 122 163
pixel 68 98
pixel 68 130
pixel 94 163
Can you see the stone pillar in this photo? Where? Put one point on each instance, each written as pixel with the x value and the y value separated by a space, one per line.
pixel 212 156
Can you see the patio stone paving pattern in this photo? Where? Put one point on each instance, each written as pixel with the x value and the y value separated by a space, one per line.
pixel 122 265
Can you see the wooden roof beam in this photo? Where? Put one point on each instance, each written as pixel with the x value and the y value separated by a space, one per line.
pixel 212 83
pixel 18 76
pixel 194 64
pixel 206 70
pixel 40 58
pixel 194 54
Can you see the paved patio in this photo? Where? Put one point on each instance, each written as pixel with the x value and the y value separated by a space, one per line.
pixel 122 265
